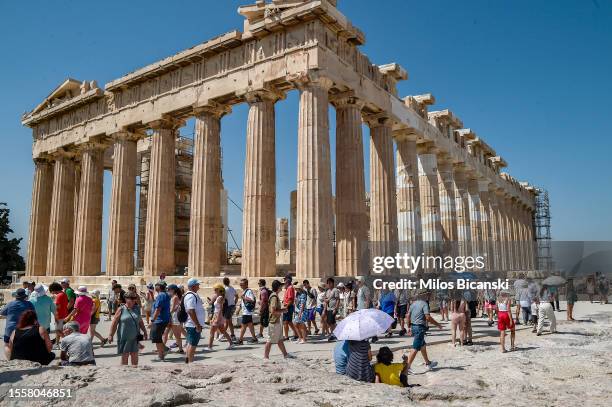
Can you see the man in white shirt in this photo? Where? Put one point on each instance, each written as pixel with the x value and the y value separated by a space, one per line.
pixel 247 307
pixel 196 316
pixel 231 296
pixel 311 304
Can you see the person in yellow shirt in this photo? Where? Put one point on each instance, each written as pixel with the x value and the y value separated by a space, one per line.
pixel 390 373
pixel 95 318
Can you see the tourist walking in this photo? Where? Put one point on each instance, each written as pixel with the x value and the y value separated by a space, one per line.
pixel 321 309
pixel 289 306
pixel 76 348
pixel 95 318
pixel 524 301
pixel 195 318
pixel 228 313
pixel 132 289
pixel 264 312
pixel 386 304
pixel 127 323
pixel 218 323
pixel 110 301
pixel 29 340
pixel 69 293
pixel 300 315
pixel 160 318
pixel 418 315
pixel 590 287
pixel 61 309
pixel 571 297
pixel 83 307
pixel 546 312
pixel 174 325
pixel 505 321
pixel 358 365
pixel 442 297
pixel 247 307
pixel 311 305
pixel 332 302
pixel 149 299
pixel 458 321
pixel 490 305
pixel 12 311
pixel 44 306
pixel 401 309
pixel 275 330
pixel 364 300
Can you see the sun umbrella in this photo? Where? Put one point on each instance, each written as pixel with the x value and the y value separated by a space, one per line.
pixel 553 280
pixel 363 324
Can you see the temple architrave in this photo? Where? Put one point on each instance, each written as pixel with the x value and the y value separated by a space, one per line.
pixel 436 187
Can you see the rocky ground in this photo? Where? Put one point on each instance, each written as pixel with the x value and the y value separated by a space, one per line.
pixel 572 367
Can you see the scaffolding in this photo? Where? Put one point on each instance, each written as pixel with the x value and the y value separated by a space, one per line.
pixel 542 228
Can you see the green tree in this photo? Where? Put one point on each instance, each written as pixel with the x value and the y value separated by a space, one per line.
pixel 10 259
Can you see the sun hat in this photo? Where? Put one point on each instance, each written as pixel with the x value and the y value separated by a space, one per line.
pixel 65 280
pixel 173 287
pixel 95 292
pixel 39 290
pixel 82 290
pixel 132 296
pixel 340 285
pixel 20 294
pixel 192 281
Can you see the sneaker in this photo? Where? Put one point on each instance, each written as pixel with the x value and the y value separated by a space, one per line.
pixel 317 331
pixel 253 340
pixel 174 345
pixel 260 336
pixel 409 371
pixel 331 338
pixel 230 346
pixel 222 339
pixel 295 337
pixel 374 339
pixel 431 365
pixel 290 356
pixel 402 332
pixel 207 349
pixel 158 359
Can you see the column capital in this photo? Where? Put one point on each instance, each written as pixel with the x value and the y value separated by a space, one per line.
pixel 91 146
pixel 303 80
pixel 62 154
pixel 166 122
pixel 405 134
pixel 265 94
pixel 381 119
pixel 345 100
pixel 427 147
pixel 126 135
pixel 218 110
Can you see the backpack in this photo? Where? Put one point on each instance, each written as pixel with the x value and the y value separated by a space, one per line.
pixel 182 314
pixel 249 306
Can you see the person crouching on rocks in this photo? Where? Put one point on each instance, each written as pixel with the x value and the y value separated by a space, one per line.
pixel 77 348
pixel 546 311
pixel 387 372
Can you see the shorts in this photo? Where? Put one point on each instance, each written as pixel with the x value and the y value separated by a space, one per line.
pixel 94 320
pixel 264 317
pixel 193 336
pixel 418 334
pixel 330 316
pixel 288 316
pixel 504 321
pixel 472 305
pixel 7 339
pixel 402 309
pixel 157 331
pixel 247 319
pixel 311 314
pixel 228 311
pixel 275 333
pixel 319 310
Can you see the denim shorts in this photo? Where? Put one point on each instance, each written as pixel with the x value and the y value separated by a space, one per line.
pixel 288 316
pixel 418 332
pixel 193 336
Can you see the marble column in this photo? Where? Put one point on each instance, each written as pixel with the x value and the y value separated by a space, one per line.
pixel 42 192
pixel 448 210
pixel 531 243
pixel 259 218
pixel 510 246
pixel 496 232
pixel 383 200
pixel 485 228
pixel 205 219
pixel 351 215
pixel 61 224
pixel 159 235
pixel 475 217
pixel 87 259
pixel 410 232
pixel 292 224
pixel 122 217
pixel 314 236
pixel 521 235
pixel 430 202
pixel 462 209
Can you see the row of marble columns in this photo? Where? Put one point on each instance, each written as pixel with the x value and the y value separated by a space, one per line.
pixel 415 207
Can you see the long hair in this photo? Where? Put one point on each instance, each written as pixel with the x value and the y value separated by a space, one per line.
pixel 28 318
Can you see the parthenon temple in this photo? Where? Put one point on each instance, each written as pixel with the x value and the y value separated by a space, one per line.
pixel 435 186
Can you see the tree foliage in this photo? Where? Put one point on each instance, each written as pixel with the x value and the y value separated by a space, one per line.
pixel 10 259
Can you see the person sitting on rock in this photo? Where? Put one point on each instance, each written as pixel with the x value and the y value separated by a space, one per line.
pixel 30 341
pixel 393 374
pixel 76 347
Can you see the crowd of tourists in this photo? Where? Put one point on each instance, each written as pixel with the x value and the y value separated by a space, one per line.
pixel 286 311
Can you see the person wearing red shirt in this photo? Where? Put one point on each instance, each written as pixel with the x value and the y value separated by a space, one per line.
pixel 61 305
pixel 288 303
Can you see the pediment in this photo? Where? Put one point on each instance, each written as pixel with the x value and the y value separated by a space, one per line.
pixel 67 90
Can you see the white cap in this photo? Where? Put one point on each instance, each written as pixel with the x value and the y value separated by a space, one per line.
pixel 65 280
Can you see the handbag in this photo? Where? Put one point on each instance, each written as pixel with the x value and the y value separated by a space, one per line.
pixel 139 336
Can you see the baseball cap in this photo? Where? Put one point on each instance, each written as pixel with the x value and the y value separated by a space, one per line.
pixel 192 281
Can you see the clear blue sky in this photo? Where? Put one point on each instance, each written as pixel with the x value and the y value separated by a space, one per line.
pixel 530 77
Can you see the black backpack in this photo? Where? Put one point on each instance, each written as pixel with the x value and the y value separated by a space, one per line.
pixel 182 315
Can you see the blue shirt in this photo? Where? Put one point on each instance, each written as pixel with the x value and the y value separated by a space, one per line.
pixel 12 311
pixel 418 310
pixel 162 302
pixel 387 303
pixel 341 352
pixel 44 307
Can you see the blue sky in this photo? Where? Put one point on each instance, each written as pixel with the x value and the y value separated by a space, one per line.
pixel 530 77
